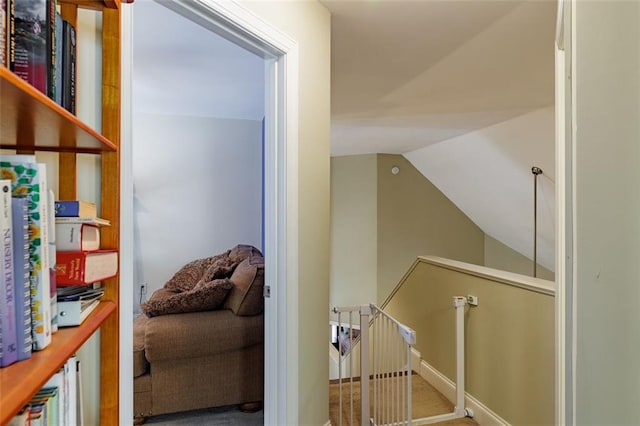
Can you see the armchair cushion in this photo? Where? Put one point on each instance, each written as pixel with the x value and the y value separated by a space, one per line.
pixel 140 363
pixel 200 334
pixel 204 296
pixel 246 297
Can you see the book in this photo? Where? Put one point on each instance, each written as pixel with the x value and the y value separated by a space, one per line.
pixel 51 232
pixel 29 178
pixel 70 408
pixel 21 273
pixel 69 67
pixel 9 338
pixel 78 402
pixel 96 221
pixel 57 382
pixel 31 36
pixel 22 418
pixel 58 59
pixel 4 33
pixel 76 209
pixel 77 237
pixel 85 267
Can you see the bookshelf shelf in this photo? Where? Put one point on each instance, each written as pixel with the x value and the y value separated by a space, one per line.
pixel 20 381
pixel 94 4
pixel 29 120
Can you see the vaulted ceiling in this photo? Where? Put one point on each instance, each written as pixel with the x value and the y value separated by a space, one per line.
pixel 465 91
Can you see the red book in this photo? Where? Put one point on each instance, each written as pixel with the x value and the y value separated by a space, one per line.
pixel 85 267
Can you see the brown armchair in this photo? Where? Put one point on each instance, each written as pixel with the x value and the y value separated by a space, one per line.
pixel 203 359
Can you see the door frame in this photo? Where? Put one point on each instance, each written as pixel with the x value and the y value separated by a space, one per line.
pixel 239 25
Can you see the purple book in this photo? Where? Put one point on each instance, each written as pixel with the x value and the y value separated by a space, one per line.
pixel 7 299
pixel 20 215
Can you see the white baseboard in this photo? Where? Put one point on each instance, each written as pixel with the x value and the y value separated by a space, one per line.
pixel 481 413
pixel 328 423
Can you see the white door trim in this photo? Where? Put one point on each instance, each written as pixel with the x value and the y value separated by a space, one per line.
pixel 236 23
pixel 565 229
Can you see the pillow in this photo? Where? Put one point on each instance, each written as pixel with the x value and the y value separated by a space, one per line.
pixel 205 296
pixel 246 296
pixel 191 273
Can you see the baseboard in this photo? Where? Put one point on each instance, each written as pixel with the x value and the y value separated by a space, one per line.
pixel 328 423
pixel 481 413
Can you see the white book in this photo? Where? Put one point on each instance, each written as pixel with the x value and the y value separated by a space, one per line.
pixel 51 235
pixel 77 237
pixel 57 381
pixel 96 221
pixel 72 379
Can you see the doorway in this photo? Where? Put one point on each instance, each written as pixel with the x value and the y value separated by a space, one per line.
pixel 280 54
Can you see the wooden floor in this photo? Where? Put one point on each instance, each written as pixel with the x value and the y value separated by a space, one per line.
pixel 426 401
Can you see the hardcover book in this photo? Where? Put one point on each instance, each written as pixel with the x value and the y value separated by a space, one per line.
pixel 76 208
pixel 22 288
pixel 77 237
pixel 29 179
pixel 95 221
pixel 4 34
pixel 31 41
pixel 69 67
pixel 85 267
pixel 7 300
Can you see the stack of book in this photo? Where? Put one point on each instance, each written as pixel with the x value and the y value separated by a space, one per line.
pixel 80 263
pixel 59 402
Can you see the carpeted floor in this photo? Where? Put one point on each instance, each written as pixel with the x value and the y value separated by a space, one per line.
pixel 223 416
pixel 427 401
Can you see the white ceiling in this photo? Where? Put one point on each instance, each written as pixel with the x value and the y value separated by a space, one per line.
pixel 463 89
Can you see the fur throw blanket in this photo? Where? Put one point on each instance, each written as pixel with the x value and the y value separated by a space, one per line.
pixel 199 285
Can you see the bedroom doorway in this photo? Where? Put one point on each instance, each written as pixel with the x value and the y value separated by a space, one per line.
pixel 279 54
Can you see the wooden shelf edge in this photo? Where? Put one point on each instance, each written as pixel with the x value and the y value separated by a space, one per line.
pixel 94 4
pixel 28 96
pixel 20 381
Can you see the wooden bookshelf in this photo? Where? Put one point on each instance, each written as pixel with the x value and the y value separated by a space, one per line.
pixel 29 120
pixel 20 381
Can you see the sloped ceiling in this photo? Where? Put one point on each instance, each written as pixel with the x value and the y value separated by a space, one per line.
pixel 434 80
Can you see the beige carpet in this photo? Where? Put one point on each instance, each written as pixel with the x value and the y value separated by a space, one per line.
pixel 427 401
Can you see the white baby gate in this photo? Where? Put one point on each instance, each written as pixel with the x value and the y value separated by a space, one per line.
pixel 385 360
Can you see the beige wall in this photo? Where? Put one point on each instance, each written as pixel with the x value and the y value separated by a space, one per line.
pixel 606 161
pixel 500 256
pixel 354 222
pixel 308 22
pixel 509 345
pixel 414 219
